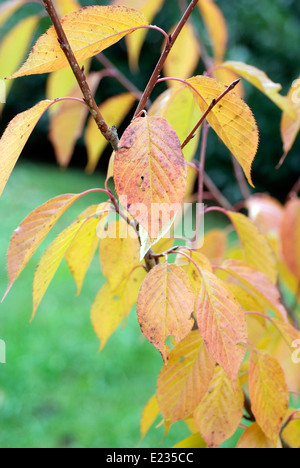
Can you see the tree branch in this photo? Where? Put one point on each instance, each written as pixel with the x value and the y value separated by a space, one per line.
pixel 110 134
pixel 163 58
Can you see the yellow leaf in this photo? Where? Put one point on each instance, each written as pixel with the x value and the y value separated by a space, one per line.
pixel 119 252
pixel 184 56
pixel 220 412
pixel 290 236
pixel 221 323
pixel 290 125
pixel 165 305
pixel 216 26
pixel 8 8
pixel 227 76
pixel 247 301
pixel 193 441
pixel 149 415
pixel 15 137
pixel 261 81
pixel 67 124
pixel 255 438
pixel 82 250
pixel 214 245
pixel 268 393
pixel 50 262
pixel 32 231
pixel 114 110
pixel 90 30
pixel 112 306
pixel 134 43
pixel 178 107
pixel 11 56
pixel 190 268
pixel 258 284
pixel 291 434
pixel 150 173
pixel 63 7
pixel 231 119
pixel 185 379
pixel 257 250
pixel 62 83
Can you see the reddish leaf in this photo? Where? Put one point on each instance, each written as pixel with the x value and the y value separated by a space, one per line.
pixel 222 323
pixel 290 236
pixel 165 305
pixel 150 172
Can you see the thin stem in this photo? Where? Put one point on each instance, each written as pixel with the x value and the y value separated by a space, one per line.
pixel 217 194
pixel 241 180
pixel 295 190
pixel 163 58
pixel 209 109
pixel 202 161
pixel 110 134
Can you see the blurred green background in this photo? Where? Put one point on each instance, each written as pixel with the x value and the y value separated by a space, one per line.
pixel 56 390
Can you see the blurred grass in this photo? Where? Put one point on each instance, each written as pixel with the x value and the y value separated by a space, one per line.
pixel 56 389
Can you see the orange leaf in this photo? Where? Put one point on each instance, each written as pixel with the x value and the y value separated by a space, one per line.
pixel 150 172
pixel 184 380
pixel 216 26
pixel 231 119
pixel 214 245
pixel 220 412
pixel 222 323
pixel 32 231
pixel 15 137
pixel 89 30
pixel 165 305
pixel 290 236
pixel 260 285
pixel 255 245
pixel 67 124
pixel 268 393
pixel 255 438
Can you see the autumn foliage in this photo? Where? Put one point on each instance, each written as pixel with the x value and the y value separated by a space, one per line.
pixel 224 314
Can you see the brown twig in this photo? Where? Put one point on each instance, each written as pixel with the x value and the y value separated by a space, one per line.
pixel 110 134
pixel 217 194
pixel 163 58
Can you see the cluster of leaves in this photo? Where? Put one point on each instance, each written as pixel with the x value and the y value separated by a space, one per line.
pixel 233 334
